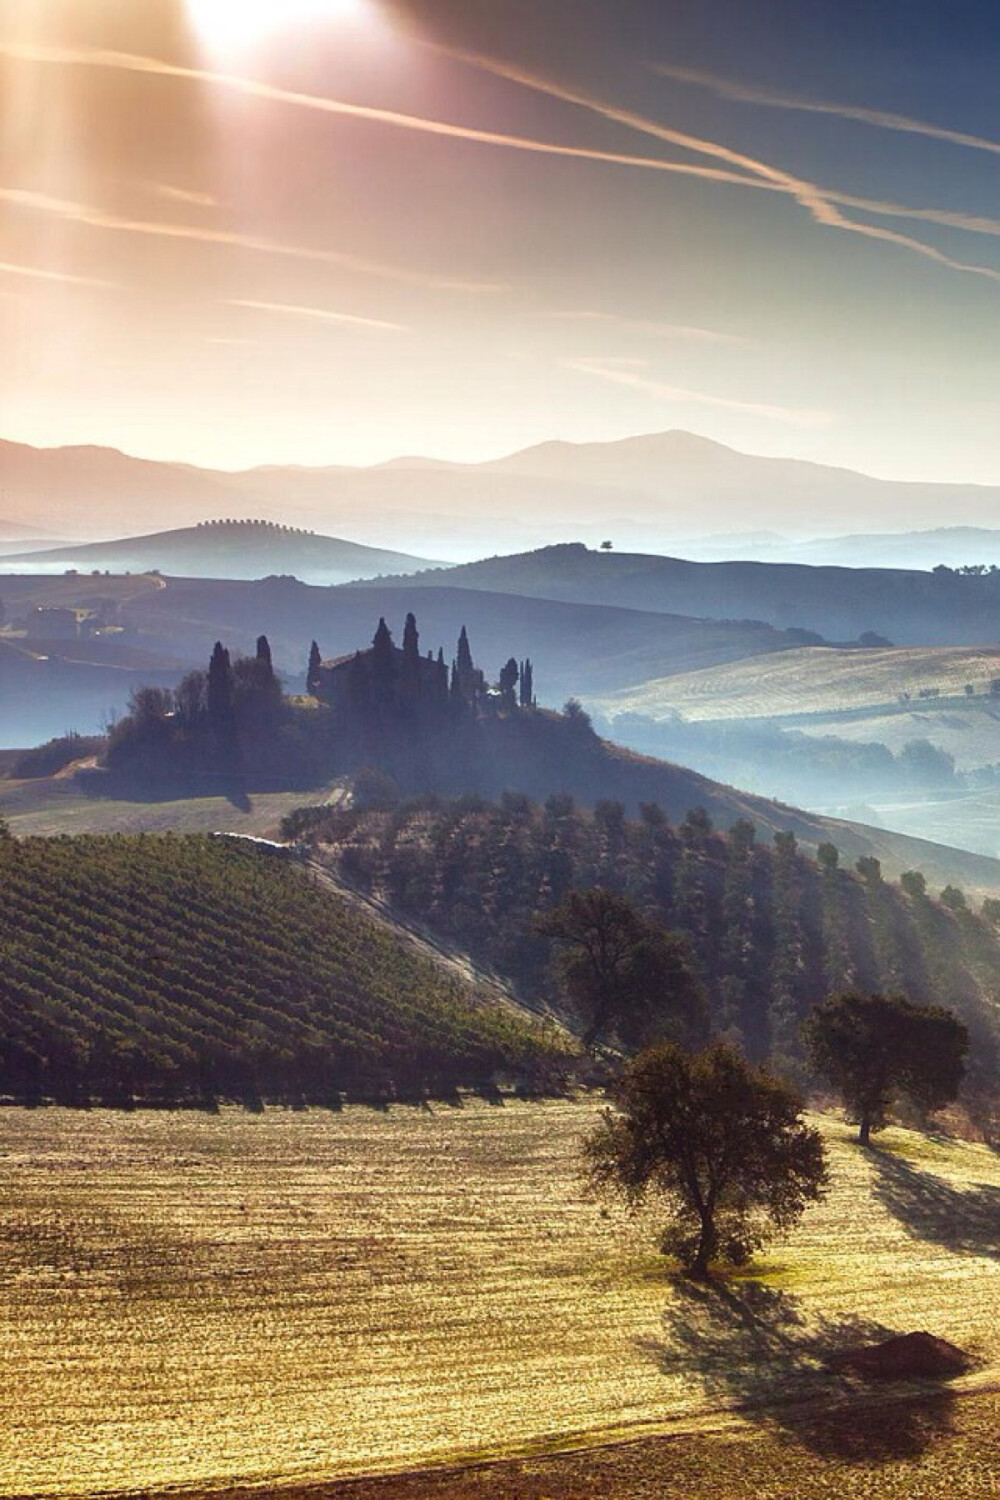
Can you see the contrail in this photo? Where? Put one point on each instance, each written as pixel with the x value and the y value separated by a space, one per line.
pixel 822 203
pixel 661 390
pixel 81 213
pixel 7 268
pixel 735 167
pixel 180 195
pixel 321 313
pixel 883 119
pixel 254 88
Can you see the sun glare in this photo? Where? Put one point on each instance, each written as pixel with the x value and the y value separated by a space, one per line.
pixel 229 25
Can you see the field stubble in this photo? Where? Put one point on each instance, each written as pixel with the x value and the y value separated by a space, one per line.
pixel 201 1302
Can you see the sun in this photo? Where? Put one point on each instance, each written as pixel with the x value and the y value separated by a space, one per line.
pixel 230 25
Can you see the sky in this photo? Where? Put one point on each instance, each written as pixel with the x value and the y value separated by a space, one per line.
pixel 236 232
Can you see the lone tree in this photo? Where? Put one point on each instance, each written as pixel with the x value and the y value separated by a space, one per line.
pixel 875 1048
pixel 621 973
pixel 721 1142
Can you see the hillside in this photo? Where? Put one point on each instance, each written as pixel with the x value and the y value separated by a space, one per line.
pixel 909 608
pixel 812 681
pixel 771 931
pixel 644 490
pixel 175 621
pixel 187 969
pixel 226 549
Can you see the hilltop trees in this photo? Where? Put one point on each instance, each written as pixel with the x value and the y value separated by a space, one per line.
pixel 621 973
pixel 875 1048
pixel 719 1142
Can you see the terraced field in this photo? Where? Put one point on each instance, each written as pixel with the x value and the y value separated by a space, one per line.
pixel 210 1302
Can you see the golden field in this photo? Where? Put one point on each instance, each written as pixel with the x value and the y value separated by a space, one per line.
pixel 811 680
pixel 203 1303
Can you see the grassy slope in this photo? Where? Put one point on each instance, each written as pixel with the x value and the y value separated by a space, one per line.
pixel 55 805
pixel 195 1301
pixel 814 680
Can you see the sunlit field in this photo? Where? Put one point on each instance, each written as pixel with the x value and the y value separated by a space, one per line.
pixel 812 680
pixel 201 1301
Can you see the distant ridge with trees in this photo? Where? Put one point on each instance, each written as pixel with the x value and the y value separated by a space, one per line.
pixel 230 548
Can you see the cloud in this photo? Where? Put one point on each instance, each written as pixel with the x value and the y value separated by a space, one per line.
pixel 821 203
pixel 321 313
pixel 613 371
pixel 732 167
pixel 8 268
pixel 646 325
pixel 882 119
pixel 81 213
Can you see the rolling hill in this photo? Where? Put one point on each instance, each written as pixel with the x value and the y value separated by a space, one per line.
pixel 226 549
pixel 643 491
pixel 841 604
pixel 818 681
pixel 174 622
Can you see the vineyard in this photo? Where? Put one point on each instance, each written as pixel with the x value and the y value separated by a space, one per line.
pixel 182 969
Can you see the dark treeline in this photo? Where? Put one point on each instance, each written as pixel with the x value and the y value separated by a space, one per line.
pixel 771 931
pixel 186 970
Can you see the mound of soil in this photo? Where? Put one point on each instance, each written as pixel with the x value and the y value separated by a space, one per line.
pixel 907 1356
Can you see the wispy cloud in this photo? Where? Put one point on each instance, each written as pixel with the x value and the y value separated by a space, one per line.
pixel 81 213
pixel 254 88
pixel 37 273
pixel 180 195
pixel 823 204
pixel 614 372
pixel 322 314
pixel 726 88
pixel 728 165
pixel 680 331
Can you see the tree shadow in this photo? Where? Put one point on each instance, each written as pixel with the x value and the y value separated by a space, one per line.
pixel 966 1220
pixel 752 1347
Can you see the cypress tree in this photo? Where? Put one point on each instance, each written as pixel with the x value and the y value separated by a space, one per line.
pixel 220 701
pixel 411 662
pixel 220 687
pixel 464 654
pixel 313 669
pixel 382 640
pixel 411 640
pixel 264 662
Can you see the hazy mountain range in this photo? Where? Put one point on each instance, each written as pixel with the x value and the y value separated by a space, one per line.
pixel 645 492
